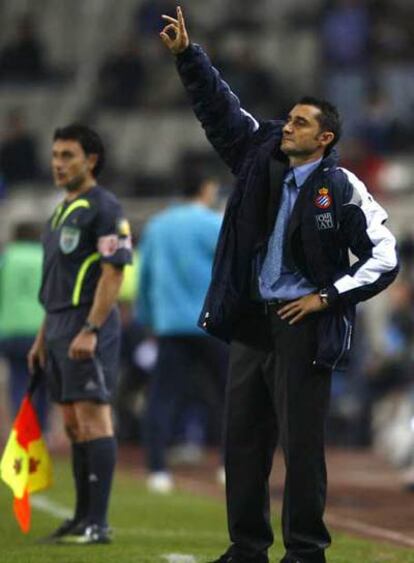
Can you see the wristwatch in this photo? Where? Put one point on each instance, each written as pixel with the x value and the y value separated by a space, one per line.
pixel 324 296
pixel 90 327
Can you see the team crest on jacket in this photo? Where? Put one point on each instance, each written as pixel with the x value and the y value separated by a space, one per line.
pixel 323 200
pixel 69 239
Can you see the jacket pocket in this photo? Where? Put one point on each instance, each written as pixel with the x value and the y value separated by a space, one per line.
pixel 220 312
pixel 335 330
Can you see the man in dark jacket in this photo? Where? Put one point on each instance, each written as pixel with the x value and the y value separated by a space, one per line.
pixel 283 293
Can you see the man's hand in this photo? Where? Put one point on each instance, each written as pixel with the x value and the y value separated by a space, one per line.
pixel 296 310
pixel 174 35
pixel 83 346
pixel 37 353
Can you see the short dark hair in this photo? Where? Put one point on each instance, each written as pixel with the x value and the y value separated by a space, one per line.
pixel 192 185
pixel 88 139
pixel 329 118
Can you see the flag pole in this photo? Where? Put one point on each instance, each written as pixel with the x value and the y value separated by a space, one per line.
pixel 35 379
pixel 25 465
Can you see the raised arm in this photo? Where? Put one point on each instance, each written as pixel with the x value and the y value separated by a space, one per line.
pixel 228 127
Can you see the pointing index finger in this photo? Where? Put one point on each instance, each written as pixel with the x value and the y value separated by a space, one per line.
pixel 180 18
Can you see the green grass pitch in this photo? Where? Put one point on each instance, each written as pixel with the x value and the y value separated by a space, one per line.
pixel 150 529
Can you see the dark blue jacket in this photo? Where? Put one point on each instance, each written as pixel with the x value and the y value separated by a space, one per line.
pixel 334 214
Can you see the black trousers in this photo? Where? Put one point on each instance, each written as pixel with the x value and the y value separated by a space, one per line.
pixel 277 396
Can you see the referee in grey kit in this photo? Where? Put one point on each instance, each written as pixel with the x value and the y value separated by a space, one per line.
pixel 86 245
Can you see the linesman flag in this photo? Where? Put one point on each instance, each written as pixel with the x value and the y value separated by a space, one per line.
pixel 26 466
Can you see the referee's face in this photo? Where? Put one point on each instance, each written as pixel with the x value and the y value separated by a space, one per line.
pixel 71 167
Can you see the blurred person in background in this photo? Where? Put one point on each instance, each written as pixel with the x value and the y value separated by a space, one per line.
pixel 253 83
pixel 86 244
pixel 18 154
pixel 375 137
pixel 177 249
pixel 3 189
pixel 366 164
pixel 378 127
pixel 390 402
pixel 283 293
pixel 148 14
pixel 21 312
pixel 122 78
pixel 345 39
pixel 133 373
pixel 23 59
pixel 393 49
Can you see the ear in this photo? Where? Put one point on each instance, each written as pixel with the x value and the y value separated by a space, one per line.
pixel 326 137
pixel 92 161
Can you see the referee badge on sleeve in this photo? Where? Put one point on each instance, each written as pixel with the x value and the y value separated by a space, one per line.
pixel 69 239
pixel 124 234
pixel 108 245
pixel 124 229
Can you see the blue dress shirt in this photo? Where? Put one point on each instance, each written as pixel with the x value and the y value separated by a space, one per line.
pixel 290 285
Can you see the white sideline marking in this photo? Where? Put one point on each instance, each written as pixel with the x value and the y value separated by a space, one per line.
pixel 44 504
pixel 41 502
pixel 181 533
pixel 368 530
pixel 179 558
pixel 57 510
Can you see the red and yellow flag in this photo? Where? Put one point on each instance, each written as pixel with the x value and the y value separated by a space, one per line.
pixel 25 466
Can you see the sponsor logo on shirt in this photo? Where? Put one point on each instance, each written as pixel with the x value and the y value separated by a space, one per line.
pixel 323 200
pixel 324 221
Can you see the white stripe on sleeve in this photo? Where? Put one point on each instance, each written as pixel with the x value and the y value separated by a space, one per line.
pixel 384 256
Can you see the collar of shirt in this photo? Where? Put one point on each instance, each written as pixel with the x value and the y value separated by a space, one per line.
pixel 302 172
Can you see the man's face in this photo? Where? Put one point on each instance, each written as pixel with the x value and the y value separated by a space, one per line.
pixel 71 167
pixel 302 136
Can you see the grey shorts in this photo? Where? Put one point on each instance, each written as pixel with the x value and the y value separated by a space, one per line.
pixel 81 380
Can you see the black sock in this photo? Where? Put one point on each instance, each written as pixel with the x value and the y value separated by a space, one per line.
pixel 101 454
pixel 80 476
